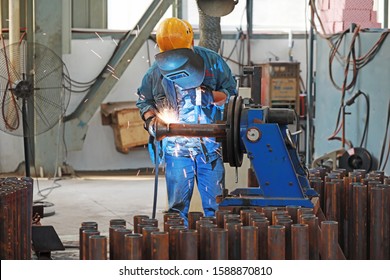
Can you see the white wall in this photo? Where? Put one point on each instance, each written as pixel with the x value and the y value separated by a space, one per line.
pixel 86 60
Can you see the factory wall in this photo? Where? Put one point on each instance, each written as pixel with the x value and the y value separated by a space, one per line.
pixel 86 60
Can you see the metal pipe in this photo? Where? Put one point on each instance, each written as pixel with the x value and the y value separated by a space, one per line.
pixel 220 215
pixel 299 242
pixel 193 216
pixel 84 226
pixel 174 242
pixel 292 210
pixel 159 245
pixel 249 243
pixel 244 215
pixel 97 247
pixel 137 220
pixel 204 240
pixel 133 246
pixel 276 242
pixel 170 215
pixel 111 246
pixel 188 244
pixel 219 244
pixel 329 240
pixel 287 232
pixel 119 242
pixel 146 241
pixel 379 223
pixel 120 222
pixel 358 247
pixel 190 130
pixel 262 237
pixel 312 222
pixel 234 239
pixel 86 233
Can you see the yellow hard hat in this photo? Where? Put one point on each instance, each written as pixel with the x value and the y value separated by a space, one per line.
pixel 174 33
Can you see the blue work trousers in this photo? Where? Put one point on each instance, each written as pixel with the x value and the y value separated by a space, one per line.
pixel 181 174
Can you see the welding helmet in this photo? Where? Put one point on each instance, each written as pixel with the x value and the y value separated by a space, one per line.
pixel 174 33
pixel 182 66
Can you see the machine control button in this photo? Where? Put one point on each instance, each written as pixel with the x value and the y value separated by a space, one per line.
pixel 253 134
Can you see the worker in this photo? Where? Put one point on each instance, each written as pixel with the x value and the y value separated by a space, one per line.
pixel 197 93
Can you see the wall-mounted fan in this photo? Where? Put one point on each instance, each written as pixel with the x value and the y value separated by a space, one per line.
pixel 34 94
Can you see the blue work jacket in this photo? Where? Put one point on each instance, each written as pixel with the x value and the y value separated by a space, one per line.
pixel 157 92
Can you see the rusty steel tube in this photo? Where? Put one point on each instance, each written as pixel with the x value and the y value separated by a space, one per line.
pixel 262 237
pixel 137 219
pixel 312 222
pixel 244 215
pixel 119 242
pixel 329 240
pixel 268 212
pixel 287 231
pixel 133 246
pixel 190 130
pixel 170 215
pixel 172 222
pixel 97 247
pixel 120 222
pixel 358 249
pixel 219 244
pixel 146 241
pixel 234 240
pixel 299 242
pixel 249 243
pixel 86 233
pixel 220 215
pixel 276 242
pixel 159 245
pixel 292 210
pixel 85 226
pixel 188 244
pixel 174 241
pixel 229 218
pixel 204 240
pixel 193 216
pixel 111 247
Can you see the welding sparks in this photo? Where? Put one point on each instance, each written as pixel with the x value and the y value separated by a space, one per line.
pixel 96 54
pixel 99 36
pixel 168 115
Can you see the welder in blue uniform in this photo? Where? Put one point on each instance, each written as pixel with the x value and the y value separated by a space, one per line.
pixel 195 83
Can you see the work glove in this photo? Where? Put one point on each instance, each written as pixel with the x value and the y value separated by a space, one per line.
pixel 149 126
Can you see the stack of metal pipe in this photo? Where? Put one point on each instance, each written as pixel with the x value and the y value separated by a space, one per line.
pixel 360 202
pixel 15 218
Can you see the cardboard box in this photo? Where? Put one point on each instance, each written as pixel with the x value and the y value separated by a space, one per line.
pixel 126 122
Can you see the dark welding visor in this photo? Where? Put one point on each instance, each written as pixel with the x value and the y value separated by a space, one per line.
pixel 182 66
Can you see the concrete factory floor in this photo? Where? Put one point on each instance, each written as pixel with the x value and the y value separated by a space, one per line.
pixel 70 201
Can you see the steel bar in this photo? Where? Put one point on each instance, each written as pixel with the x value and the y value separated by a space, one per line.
pixel 188 244
pixel 111 247
pixel 133 246
pixel 329 240
pixel 299 242
pixel 249 243
pixel 159 245
pixel 334 208
pixel 84 226
pixel 193 216
pixel 197 227
pixel 86 233
pixel 276 242
pixel 312 222
pixel 234 239
pixel 262 237
pixel 137 220
pixel 97 247
pixel 174 241
pixel 219 244
pixel 146 241
pixel 358 249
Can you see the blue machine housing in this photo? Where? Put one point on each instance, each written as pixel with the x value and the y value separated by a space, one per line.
pixel 271 149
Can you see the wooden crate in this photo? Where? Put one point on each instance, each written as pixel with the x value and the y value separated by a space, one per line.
pixel 126 122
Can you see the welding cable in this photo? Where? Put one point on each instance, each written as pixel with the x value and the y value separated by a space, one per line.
pixel 384 142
